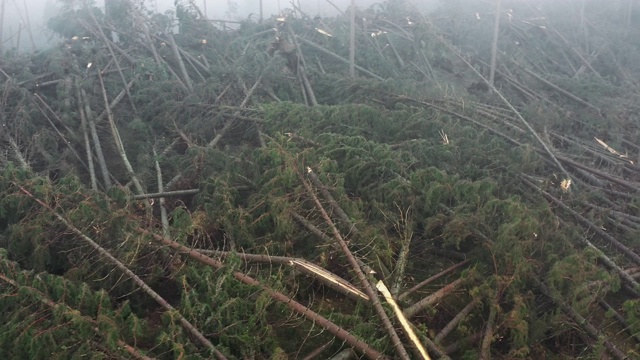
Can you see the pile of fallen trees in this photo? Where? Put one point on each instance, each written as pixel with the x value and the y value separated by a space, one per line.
pixel 237 193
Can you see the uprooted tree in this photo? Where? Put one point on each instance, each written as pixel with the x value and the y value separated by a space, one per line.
pixel 174 187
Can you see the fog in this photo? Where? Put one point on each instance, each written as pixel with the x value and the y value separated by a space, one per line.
pixel 241 9
pixel 25 20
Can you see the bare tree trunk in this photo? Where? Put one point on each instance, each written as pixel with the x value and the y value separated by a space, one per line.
pixel 511 107
pixel 119 145
pixel 2 2
pixel 18 39
pixel 115 60
pixel 414 309
pixel 306 267
pixel 352 40
pixel 87 142
pixel 307 90
pixel 163 209
pixel 603 257
pixel 628 16
pixel 405 242
pixel 96 140
pixel 116 100
pixel 183 69
pixel 494 44
pixel 166 194
pixel 28 25
pixel 456 320
pixel 485 349
pixel 338 57
pixel 432 279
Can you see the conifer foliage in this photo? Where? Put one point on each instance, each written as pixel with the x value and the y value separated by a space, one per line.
pixel 177 187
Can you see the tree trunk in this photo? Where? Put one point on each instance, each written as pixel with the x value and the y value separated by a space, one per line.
pixel 494 44
pixel 352 40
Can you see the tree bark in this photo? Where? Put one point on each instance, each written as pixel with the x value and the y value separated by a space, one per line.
pixel 494 43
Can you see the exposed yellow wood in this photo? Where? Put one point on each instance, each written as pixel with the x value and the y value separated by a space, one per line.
pixel 403 320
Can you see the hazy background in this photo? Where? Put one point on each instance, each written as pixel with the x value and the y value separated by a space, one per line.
pixel 21 14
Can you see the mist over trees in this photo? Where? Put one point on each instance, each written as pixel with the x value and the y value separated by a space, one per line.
pixel 383 182
pixel 25 24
